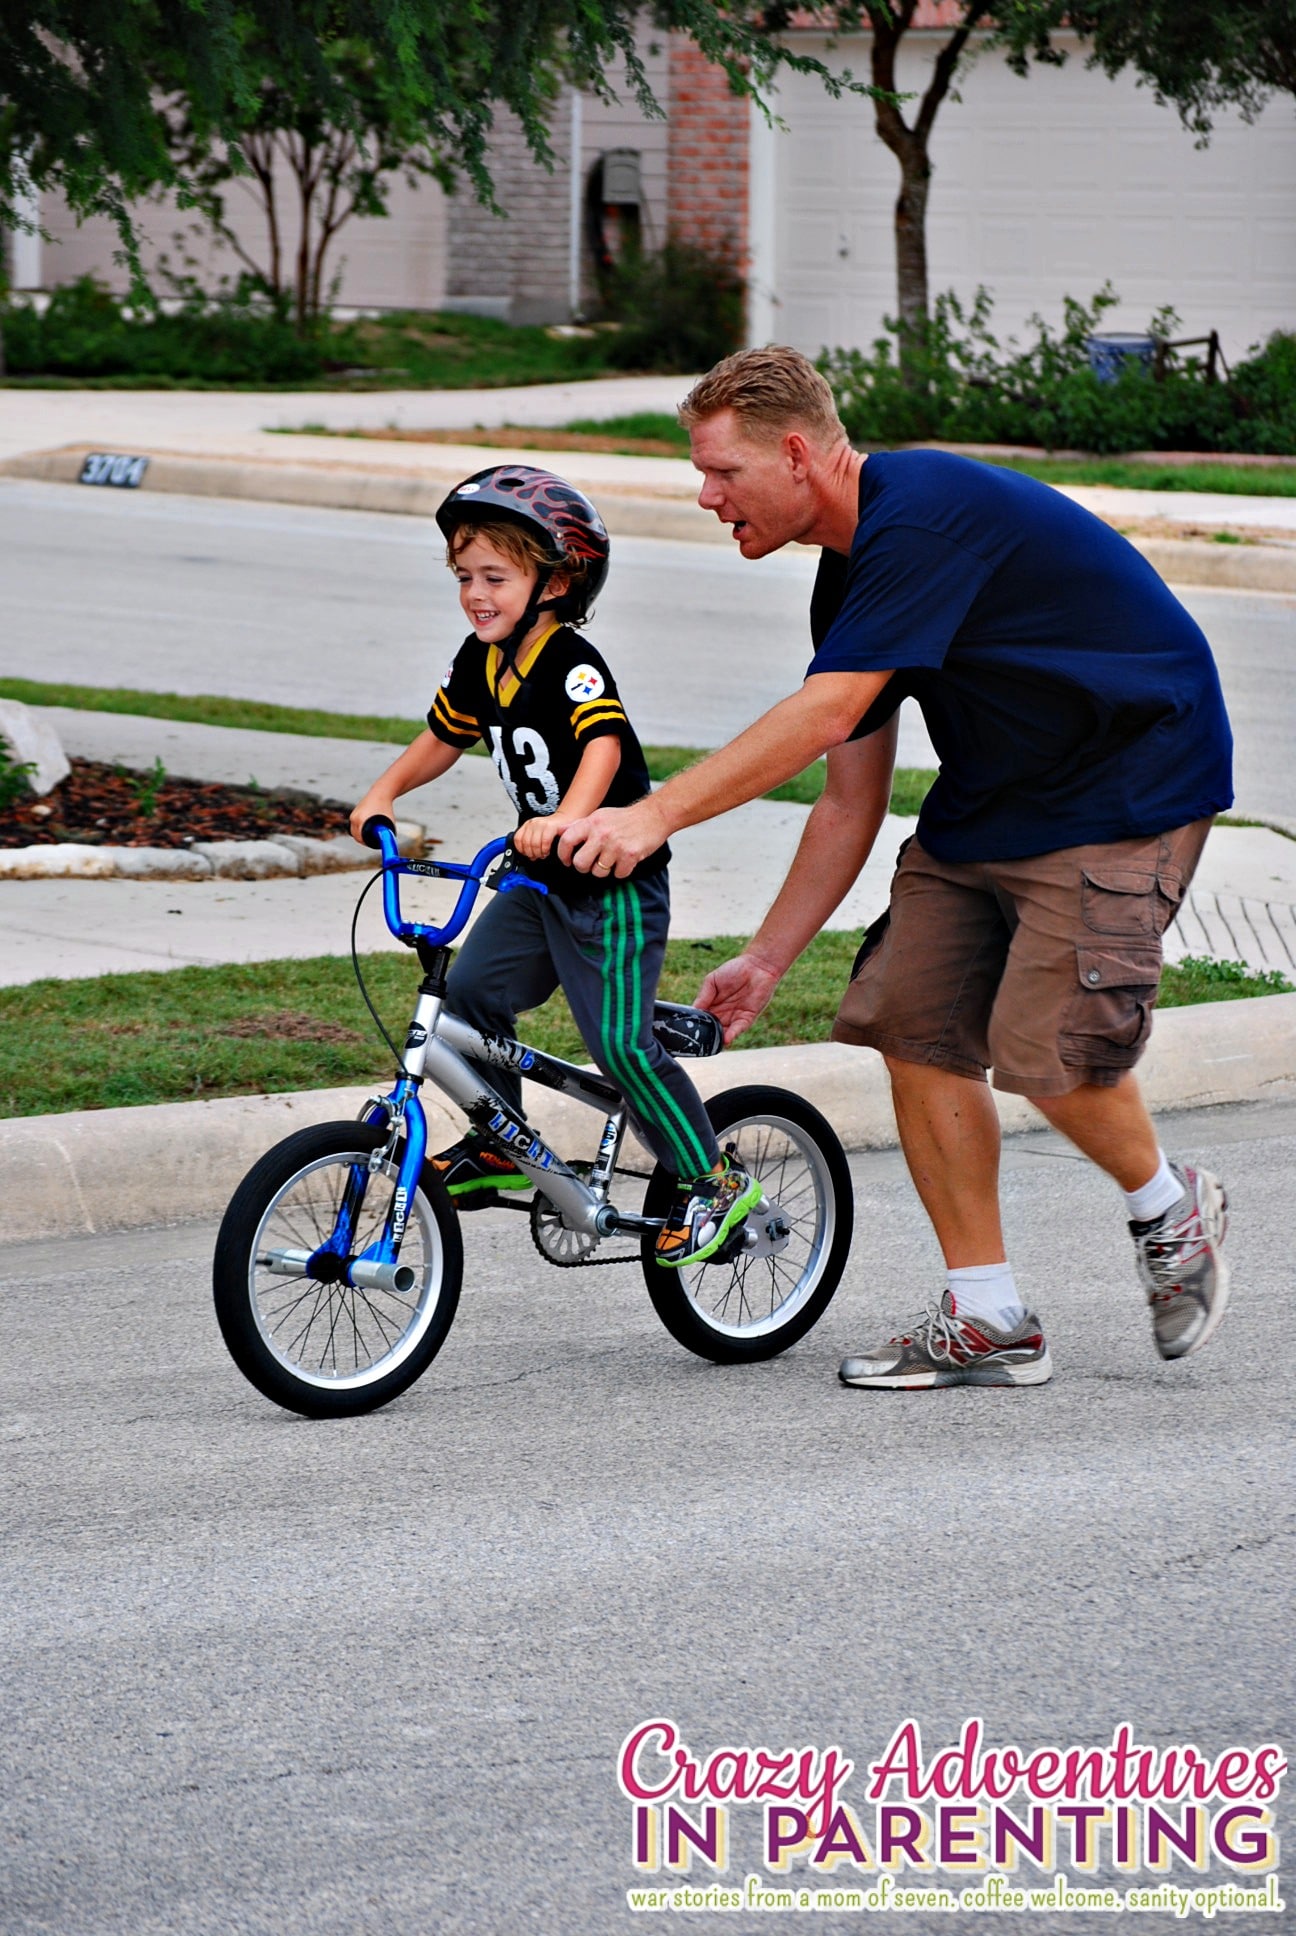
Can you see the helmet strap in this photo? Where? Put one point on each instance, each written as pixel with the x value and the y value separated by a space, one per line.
pixel 510 646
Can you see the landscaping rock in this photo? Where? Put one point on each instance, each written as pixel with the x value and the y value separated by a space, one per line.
pixel 67 860
pixel 327 856
pixel 247 860
pixel 31 741
pixel 156 863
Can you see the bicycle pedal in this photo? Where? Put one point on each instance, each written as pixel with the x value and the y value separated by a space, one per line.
pixel 483 1200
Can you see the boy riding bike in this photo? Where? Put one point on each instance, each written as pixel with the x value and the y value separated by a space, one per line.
pixel 531 553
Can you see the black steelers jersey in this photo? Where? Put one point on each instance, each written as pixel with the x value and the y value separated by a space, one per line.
pixel 536 723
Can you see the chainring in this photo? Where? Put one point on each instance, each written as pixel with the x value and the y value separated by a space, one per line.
pixel 570 1249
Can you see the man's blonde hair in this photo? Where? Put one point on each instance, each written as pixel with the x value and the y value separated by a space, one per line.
pixel 771 391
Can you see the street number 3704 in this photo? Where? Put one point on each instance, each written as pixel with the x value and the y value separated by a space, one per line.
pixel 113 467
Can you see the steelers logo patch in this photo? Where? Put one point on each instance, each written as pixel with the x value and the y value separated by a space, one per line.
pixel 449 674
pixel 584 682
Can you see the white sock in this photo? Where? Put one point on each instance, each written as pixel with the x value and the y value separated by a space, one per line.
pixel 989 1292
pixel 1159 1194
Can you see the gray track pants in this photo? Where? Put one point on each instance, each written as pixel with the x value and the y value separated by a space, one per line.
pixel 606 951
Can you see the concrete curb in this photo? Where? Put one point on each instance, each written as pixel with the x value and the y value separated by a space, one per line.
pixel 294 855
pixel 635 510
pixel 116 1169
pixel 666 510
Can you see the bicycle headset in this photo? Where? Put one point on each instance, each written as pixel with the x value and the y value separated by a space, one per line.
pixel 569 528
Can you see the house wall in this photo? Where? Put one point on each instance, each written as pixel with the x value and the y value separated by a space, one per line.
pixel 520 265
pixel 1041 188
pixel 397 263
pixel 431 248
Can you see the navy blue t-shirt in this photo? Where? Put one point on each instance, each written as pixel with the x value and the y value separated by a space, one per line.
pixel 1068 694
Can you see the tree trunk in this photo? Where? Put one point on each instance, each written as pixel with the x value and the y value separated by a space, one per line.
pixel 911 245
pixel 909 145
pixel 910 150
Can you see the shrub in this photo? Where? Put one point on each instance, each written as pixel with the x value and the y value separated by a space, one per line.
pixel 87 332
pixel 15 777
pixel 962 386
pixel 680 310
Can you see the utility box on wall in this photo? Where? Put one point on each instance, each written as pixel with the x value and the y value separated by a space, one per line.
pixel 621 180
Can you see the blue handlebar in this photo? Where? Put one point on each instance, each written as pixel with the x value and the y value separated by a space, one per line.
pixel 381 834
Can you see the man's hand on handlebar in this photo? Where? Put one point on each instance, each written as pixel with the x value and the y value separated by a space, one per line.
pixel 614 839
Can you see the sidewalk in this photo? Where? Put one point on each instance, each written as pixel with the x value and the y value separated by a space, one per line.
pixel 71 928
pixel 106 1169
pixel 218 444
pixel 98 1170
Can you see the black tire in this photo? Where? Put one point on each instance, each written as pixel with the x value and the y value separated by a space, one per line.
pixel 736 1310
pixel 330 1350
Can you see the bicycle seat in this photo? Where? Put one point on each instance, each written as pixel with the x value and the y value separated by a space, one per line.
pixel 682 1030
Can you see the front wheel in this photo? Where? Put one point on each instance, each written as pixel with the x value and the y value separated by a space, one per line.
pixel 745 1304
pixel 333 1349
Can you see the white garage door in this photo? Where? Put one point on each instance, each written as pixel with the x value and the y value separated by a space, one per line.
pixel 1041 188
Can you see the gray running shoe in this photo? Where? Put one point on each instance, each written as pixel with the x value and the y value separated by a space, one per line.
pixel 943 1349
pixel 1180 1266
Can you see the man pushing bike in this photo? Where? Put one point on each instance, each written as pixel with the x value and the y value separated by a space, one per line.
pixel 1084 750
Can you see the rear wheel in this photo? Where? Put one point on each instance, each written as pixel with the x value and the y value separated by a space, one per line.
pixel 332 1349
pixel 746 1303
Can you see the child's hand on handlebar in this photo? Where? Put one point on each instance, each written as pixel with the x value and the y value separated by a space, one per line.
pixel 534 838
pixel 373 803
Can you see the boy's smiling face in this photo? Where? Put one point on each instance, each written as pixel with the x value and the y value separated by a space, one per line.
pixel 493 591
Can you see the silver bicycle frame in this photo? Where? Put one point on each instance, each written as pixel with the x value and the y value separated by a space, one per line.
pixel 438 1048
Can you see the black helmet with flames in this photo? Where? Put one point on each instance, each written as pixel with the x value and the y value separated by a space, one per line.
pixel 570 529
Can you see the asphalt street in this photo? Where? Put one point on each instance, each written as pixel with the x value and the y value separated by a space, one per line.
pixel 267 1676
pixel 355 612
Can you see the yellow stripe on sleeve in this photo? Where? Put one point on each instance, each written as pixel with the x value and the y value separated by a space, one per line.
pixel 461 728
pixel 597 715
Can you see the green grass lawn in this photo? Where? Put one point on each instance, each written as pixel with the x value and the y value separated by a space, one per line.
pixel 405 349
pixel 210 709
pixel 195 1033
pixel 1248 480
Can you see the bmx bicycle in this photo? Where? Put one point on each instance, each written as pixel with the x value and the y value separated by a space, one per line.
pixel 339 1260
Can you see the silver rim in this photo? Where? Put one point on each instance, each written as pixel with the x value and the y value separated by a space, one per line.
pixel 751 1297
pixel 335 1336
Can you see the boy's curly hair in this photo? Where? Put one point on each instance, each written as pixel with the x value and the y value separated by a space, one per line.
pixel 524 549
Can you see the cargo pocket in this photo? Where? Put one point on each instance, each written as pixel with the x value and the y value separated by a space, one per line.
pixel 875 933
pixel 1129 901
pixel 1119 900
pixel 1110 1015
pixel 873 937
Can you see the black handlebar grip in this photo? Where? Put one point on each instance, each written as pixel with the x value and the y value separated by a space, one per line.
pixel 367 833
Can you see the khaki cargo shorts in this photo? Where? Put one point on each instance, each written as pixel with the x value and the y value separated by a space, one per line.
pixel 1044 970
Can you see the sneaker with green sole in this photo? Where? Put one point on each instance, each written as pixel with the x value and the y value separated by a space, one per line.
pixel 703 1213
pixel 473 1172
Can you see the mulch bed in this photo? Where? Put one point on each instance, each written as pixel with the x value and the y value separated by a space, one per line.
pixel 102 804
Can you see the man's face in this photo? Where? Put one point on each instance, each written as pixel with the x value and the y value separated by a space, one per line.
pixel 749 485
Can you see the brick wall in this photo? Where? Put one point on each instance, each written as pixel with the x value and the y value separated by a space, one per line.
pixel 520 259
pixel 523 263
pixel 706 153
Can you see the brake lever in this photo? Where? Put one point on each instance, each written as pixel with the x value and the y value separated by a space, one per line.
pixel 508 875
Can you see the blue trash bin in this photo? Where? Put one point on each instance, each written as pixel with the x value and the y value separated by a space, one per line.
pixel 1108 355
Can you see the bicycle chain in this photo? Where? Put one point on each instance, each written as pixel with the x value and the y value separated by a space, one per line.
pixel 587 1262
